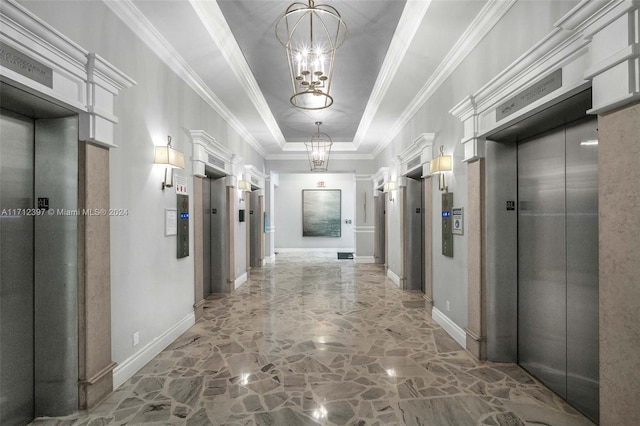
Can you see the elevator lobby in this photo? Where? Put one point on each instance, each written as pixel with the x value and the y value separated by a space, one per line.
pixel 316 340
pixel 365 212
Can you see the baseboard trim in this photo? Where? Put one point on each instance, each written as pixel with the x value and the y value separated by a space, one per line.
pixel 240 280
pixel 393 277
pixel 364 259
pixel 314 250
pixel 450 327
pixel 133 364
pixel 270 259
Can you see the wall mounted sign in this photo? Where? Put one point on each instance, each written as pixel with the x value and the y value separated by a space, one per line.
pixel 528 96
pixel 18 62
pixel 170 222
pixel 215 161
pixel 180 183
pixel 457 220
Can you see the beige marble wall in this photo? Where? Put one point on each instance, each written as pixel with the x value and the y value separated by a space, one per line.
pixel 475 230
pixel 402 200
pixel 428 243
pixel 94 278
pixel 198 248
pixel 619 206
pixel 231 214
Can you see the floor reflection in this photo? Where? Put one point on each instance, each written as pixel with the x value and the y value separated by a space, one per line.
pixel 315 340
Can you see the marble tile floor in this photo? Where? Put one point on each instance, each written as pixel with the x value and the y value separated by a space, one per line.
pixel 313 340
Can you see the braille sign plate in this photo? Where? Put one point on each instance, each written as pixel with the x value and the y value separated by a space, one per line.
pixel 18 62
pixel 528 96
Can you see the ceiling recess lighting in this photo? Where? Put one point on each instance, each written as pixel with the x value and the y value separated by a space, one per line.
pixel 311 34
pixel 318 150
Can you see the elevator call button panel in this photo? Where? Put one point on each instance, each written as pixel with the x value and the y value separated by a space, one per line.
pixel 447 234
pixel 183 225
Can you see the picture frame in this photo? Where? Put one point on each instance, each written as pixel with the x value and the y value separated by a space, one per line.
pixel 322 213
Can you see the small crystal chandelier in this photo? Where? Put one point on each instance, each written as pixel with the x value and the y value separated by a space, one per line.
pixel 318 150
pixel 311 34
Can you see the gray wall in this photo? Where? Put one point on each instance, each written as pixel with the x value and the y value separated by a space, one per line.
pixel 288 211
pixel 511 37
pixel 151 290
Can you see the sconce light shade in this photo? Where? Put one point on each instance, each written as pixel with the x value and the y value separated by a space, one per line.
pixel 244 185
pixel 389 186
pixel 440 164
pixel 169 157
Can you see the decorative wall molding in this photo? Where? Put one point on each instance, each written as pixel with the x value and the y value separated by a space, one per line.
pixel 313 250
pixel 594 44
pixel 133 364
pixel 450 327
pixel 380 178
pixel 304 156
pixel 140 25
pixel 408 25
pixel 207 152
pixel 82 81
pixel 483 23
pixel 256 177
pixel 364 229
pixel 216 25
pixel 418 154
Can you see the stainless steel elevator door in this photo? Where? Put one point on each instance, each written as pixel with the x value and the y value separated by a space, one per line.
pixel 413 235
pixel 582 267
pixel 16 269
pixel 219 254
pixel 254 228
pixel 558 262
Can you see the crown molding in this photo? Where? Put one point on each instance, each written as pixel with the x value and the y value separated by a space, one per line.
pixel 483 23
pixel 216 25
pixel 144 29
pixel 302 156
pixel 408 25
pixel 336 147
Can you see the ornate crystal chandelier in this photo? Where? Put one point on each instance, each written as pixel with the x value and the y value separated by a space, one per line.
pixel 318 150
pixel 311 34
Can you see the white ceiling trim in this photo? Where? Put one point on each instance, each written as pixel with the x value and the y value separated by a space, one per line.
pixel 144 29
pixel 331 157
pixel 214 22
pixel 488 17
pixel 337 146
pixel 408 25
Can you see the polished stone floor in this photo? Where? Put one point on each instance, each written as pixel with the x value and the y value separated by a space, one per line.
pixel 312 340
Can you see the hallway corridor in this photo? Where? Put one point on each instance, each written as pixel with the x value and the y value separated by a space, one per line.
pixel 316 340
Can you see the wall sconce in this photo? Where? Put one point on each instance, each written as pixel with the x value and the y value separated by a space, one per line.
pixel 389 187
pixel 243 186
pixel 439 165
pixel 169 157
